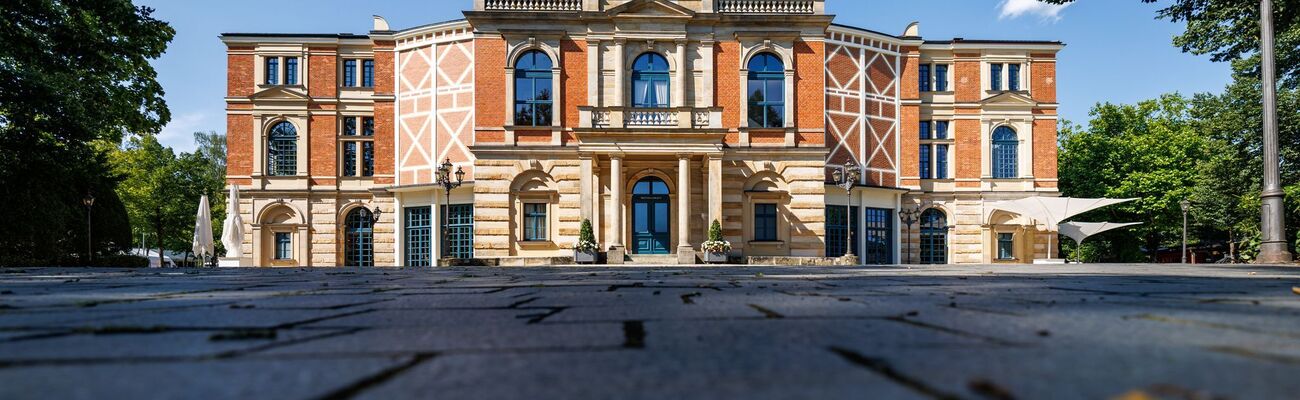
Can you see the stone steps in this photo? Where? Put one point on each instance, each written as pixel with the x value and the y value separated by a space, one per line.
pixel 657 259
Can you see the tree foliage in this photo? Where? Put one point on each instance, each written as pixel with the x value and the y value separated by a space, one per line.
pixel 162 189
pixel 72 72
pixel 1229 30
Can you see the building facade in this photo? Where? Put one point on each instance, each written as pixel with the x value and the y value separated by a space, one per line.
pixel 651 119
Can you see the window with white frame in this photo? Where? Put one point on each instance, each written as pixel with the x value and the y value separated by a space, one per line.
pixel 933 77
pixel 279 70
pixel 358 72
pixel 1005 77
pixel 1006 156
pixel 282 150
pixel 933 153
pixel 357 147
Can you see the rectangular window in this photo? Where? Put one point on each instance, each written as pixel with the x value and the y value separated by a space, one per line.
pixel 273 70
pixel 367 158
pixel 765 223
pixel 925 162
pixel 995 75
pixel 367 126
pixel 941 161
pixel 941 78
pixel 1006 246
pixel 878 236
pixel 349 158
pixel 535 222
pixel 1013 76
pixel 460 231
pixel 349 73
pixel 283 246
pixel 925 130
pixel 368 73
pixel 349 126
pixel 925 78
pixel 837 226
pixel 940 129
pixel 291 70
pixel 419 236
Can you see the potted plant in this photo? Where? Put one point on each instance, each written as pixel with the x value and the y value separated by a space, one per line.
pixel 715 249
pixel 585 251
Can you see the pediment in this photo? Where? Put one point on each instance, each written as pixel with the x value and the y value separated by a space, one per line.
pixel 280 93
pixel 1010 99
pixel 650 9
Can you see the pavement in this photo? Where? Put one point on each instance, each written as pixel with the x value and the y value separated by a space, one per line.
pixel 935 332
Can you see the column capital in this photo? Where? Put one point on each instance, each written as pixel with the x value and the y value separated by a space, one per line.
pixel 616 156
pixel 683 156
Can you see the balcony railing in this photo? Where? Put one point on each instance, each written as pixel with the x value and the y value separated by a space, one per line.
pixel 669 118
pixel 532 5
pixel 767 6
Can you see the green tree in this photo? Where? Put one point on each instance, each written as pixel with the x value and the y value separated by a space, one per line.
pixel 162 189
pixel 72 72
pixel 1228 30
pixel 1148 151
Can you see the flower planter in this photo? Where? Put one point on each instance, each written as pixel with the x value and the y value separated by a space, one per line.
pixel 715 258
pixel 584 257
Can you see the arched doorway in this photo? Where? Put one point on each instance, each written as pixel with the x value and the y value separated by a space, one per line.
pixel 651 227
pixel 934 237
pixel 359 230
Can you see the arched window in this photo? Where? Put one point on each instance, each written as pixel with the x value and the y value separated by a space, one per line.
pixel 282 150
pixel 650 81
pixel 934 237
pixel 360 234
pixel 1005 157
pixel 650 186
pixel 533 94
pixel 766 91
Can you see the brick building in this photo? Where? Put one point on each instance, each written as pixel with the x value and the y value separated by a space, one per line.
pixel 651 118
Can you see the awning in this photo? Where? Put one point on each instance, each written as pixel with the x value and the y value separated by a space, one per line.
pixel 1080 231
pixel 1052 211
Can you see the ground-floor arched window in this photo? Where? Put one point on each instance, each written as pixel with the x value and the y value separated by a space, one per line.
pixel 934 237
pixel 359 230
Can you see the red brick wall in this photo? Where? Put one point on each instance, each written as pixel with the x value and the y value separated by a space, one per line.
pixel 574 79
pixel 1045 151
pixel 239 147
pixel 966 82
pixel 1043 82
pixel 967 148
pixel 911 74
pixel 810 87
pixel 322 155
pixel 239 73
pixel 489 82
pixel 909 162
pixel 384 134
pixel 726 83
pixel 384 68
pixel 322 72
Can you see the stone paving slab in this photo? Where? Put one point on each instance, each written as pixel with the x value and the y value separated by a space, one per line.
pixel 963 332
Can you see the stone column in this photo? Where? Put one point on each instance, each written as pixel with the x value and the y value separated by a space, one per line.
pixel 715 191
pixel 685 252
pixel 584 180
pixel 620 93
pixel 616 247
pixel 679 92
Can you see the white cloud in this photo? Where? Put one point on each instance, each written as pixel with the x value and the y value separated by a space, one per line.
pixel 179 133
pixel 1018 8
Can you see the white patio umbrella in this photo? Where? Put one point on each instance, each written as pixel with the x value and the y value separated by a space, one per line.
pixel 232 232
pixel 1080 231
pixel 203 246
pixel 1052 211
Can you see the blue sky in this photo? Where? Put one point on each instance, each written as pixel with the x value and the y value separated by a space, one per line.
pixel 1117 51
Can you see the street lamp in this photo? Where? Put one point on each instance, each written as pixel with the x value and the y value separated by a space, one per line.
pixel 909 216
pixel 1186 205
pixel 847 178
pixel 88 201
pixel 1273 249
pixel 444 180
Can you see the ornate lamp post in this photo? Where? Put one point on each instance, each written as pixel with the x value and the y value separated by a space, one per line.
pixel 1274 249
pixel 909 216
pixel 846 179
pixel 444 180
pixel 1186 205
pixel 88 201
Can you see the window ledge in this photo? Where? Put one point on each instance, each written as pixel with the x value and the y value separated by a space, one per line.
pixel 536 244
pixel 767 243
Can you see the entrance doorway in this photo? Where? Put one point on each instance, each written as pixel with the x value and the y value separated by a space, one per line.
pixel 651 227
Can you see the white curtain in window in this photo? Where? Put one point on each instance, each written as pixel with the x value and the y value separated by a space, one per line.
pixel 640 92
pixel 661 92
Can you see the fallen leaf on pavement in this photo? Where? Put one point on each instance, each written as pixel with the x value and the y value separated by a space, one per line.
pixel 1295 290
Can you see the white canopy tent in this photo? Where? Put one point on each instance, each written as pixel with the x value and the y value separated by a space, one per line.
pixel 232 231
pixel 1080 231
pixel 202 245
pixel 1050 212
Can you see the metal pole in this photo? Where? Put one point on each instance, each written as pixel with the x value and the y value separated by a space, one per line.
pixel 1274 249
pixel 90 256
pixel 1184 236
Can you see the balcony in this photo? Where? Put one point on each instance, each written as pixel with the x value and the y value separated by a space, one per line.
pixel 532 5
pixel 669 118
pixel 768 6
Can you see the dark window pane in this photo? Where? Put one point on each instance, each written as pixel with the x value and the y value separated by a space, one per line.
pixel 418 223
pixel 367 126
pixel 291 70
pixel 349 73
pixel 367 158
pixel 358 230
pixel 272 70
pixel 349 158
pixel 368 73
pixel 349 126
